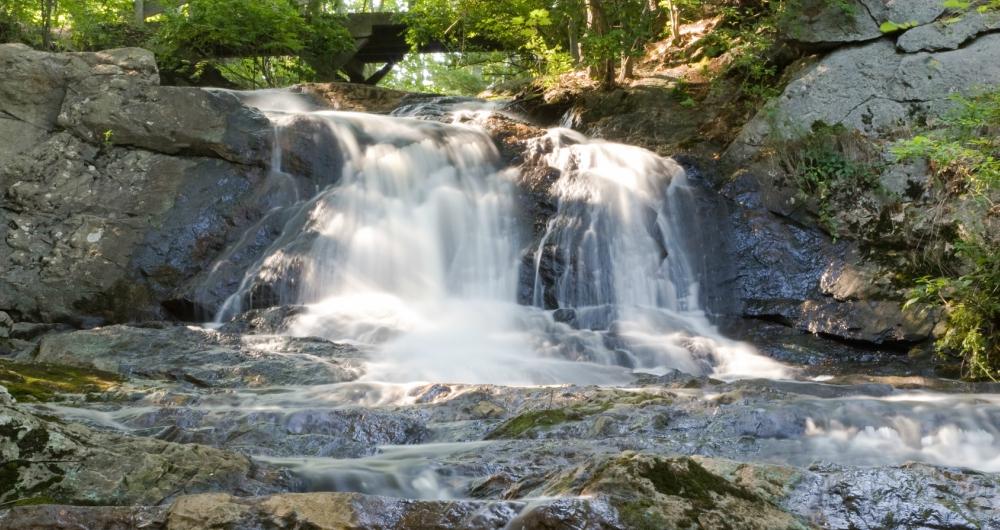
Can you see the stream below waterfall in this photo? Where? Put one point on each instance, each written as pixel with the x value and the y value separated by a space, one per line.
pixel 494 352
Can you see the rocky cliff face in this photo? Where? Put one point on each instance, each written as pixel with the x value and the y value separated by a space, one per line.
pixel 115 189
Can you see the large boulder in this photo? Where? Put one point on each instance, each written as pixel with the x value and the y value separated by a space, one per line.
pixel 115 189
pixel 822 23
pixel 949 33
pixel 874 88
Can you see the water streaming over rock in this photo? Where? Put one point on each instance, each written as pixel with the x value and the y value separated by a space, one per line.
pixel 414 248
pixel 618 255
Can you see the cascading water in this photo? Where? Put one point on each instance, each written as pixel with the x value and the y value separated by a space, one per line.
pixel 621 244
pixel 415 250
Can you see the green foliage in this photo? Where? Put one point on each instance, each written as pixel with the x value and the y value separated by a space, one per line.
pixel 265 38
pixel 895 27
pixel 972 304
pixel 526 28
pixel 829 166
pixel 453 73
pixel 963 153
pixel 82 24
pixel 549 37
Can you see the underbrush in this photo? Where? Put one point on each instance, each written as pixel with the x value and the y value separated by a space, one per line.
pixel 964 156
pixel 835 174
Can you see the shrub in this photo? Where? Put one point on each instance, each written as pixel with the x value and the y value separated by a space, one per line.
pixel 963 154
pixel 828 167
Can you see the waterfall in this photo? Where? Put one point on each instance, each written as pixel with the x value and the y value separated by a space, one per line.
pixel 412 251
pixel 622 242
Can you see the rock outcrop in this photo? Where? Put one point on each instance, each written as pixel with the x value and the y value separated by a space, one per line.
pixel 114 188
pixel 877 87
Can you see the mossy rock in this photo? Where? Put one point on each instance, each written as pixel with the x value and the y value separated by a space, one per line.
pixel 657 492
pixel 46 382
pixel 520 425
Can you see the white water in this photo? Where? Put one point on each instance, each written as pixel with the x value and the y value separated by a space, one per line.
pixel 415 249
pixel 624 234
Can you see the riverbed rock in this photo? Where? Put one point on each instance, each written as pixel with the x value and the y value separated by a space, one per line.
pixel 6 324
pixel 652 492
pixel 48 461
pixel 327 511
pixel 203 357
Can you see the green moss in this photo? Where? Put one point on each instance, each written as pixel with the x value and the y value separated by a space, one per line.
pixel 521 424
pixel 688 479
pixel 44 382
pixel 640 515
pixel 34 501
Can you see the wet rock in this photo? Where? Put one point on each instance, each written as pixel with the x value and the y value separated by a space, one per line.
pixel 340 511
pixel 910 496
pixel 63 517
pixel 116 189
pixel 656 492
pixel 312 432
pixel 272 320
pixel 6 323
pixel 34 330
pixel 47 461
pixel 42 382
pixel 354 97
pixel 872 321
pixel 203 357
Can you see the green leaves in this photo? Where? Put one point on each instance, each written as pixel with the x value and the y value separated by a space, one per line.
pixel 895 27
pixel 264 41
pixel 963 153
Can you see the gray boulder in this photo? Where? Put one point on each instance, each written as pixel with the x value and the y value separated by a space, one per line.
pixel 117 190
pixel 819 23
pixel 872 88
pixel 950 33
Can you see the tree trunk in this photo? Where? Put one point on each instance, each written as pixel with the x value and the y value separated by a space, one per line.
pixel 48 13
pixel 675 22
pixel 628 69
pixel 139 12
pixel 598 24
pixel 574 42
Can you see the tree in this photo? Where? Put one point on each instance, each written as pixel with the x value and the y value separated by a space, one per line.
pixel 554 34
pixel 264 39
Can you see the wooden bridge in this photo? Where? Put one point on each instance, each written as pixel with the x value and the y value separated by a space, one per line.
pixel 380 38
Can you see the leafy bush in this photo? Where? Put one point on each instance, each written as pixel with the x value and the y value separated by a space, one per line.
pixel 828 167
pixel 963 154
pixel 972 304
